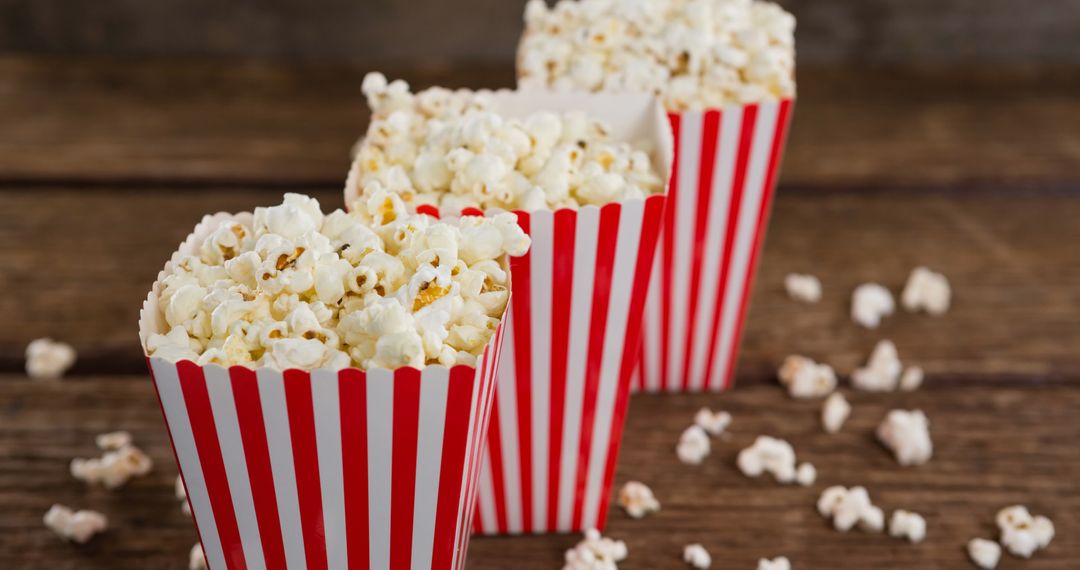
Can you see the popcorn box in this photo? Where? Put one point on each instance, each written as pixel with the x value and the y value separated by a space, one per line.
pixel 325 469
pixel 572 338
pixel 721 188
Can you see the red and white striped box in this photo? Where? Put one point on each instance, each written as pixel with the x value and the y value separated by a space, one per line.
pixel 326 469
pixel 722 184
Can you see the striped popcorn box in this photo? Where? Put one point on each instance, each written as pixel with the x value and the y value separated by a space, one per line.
pixel 722 184
pixel 325 469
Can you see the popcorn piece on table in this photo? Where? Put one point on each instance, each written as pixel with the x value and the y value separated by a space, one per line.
pixel 1021 533
pixel 805 378
pixel 882 370
pixel 806 474
pixel 850 507
pixel 47 359
pixel 776 457
pixel 694 55
pixel 76 526
pixel 870 303
pixel 926 291
pixel 715 423
pixel 695 555
pixel 802 287
pixel 113 440
pixel 909 525
pixel 911 379
pixel 834 412
pixel 693 446
pixel 637 499
pixel 196 558
pixel 778 563
pixel 181 495
pixel 984 553
pixel 120 462
pixel 595 552
pixel 907 434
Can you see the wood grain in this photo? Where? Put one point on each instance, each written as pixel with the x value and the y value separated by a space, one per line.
pixel 996 444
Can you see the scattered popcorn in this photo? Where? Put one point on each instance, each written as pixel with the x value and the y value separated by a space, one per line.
pixel 47 359
pixel 805 378
pixel 907 434
pixel 909 525
pixel 117 466
pixel 1023 534
pixel 76 526
pixel 882 370
pixel 713 422
pixel 835 412
pixel 911 379
pixel 850 507
pixel 802 287
pixel 696 556
pixel 769 455
pixel 806 474
pixel 984 553
pixel 113 441
pixel 181 495
pixel 693 445
pixel 637 499
pixel 375 287
pixel 196 559
pixel 595 553
pixel 926 291
pixel 870 303
pixel 694 55
pixel 778 563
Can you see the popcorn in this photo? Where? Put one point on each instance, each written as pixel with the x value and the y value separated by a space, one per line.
pixel 905 524
pixel 984 553
pixel 637 499
pixel 113 441
pixel 778 563
pixel 806 474
pixel 776 457
pixel 926 291
pixel 805 378
pixel 696 556
pixel 870 303
pixel 462 153
pixel 693 54
pixel 835 412
pixel 117 466
pixel 47 359
pixel 1023 534
pixel 595 553
pixel 377 287
pixel 181 495
pixel 76 526
pixel 882 370
pixel 712 422
pixel 907 434
pixel 802 287
pixel 693 445
pixel 196 559
pixel 911 379
pixel 850 507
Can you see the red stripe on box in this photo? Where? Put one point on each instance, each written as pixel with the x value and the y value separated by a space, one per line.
pixel 497 483
pixel 249 415
pixel 298 401
pixel 746 136
pixel 522 301
pixel 201 416
pixel 607 239
pixel 352 397
pixel 455 440
pixel 406 422
pixel 775 153
pixel 562 284
pixel 654 208
pixel 669 252
pixel 709 131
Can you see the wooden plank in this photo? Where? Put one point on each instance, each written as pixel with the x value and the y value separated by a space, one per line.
pixel 996 444
pixel 82 260
pixel 196 122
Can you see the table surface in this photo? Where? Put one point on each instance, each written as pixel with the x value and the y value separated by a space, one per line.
pixel 106 165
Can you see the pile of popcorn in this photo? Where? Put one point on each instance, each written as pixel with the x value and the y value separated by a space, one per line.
pixel 452 150
pixel 375 287
pixel 595 552
pixel 694 54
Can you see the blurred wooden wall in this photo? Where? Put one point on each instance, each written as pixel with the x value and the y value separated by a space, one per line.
pixel 434 32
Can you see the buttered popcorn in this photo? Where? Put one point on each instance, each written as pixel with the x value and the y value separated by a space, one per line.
pixel 452 150
pixel 694 54
pixel 376 287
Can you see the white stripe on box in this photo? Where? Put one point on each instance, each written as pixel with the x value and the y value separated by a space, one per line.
pixel 223 407
pixel 691 130
pixel 628 236
pixel 380 429
pixel 434 387
pixel 167 378
pixel 654 320
pixel 326 405
pixel 271 385
pixel 487 497
pixel 506 395
pixel 581 302
pixel 541 226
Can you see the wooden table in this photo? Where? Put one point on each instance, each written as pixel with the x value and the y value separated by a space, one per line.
pixel 104 166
